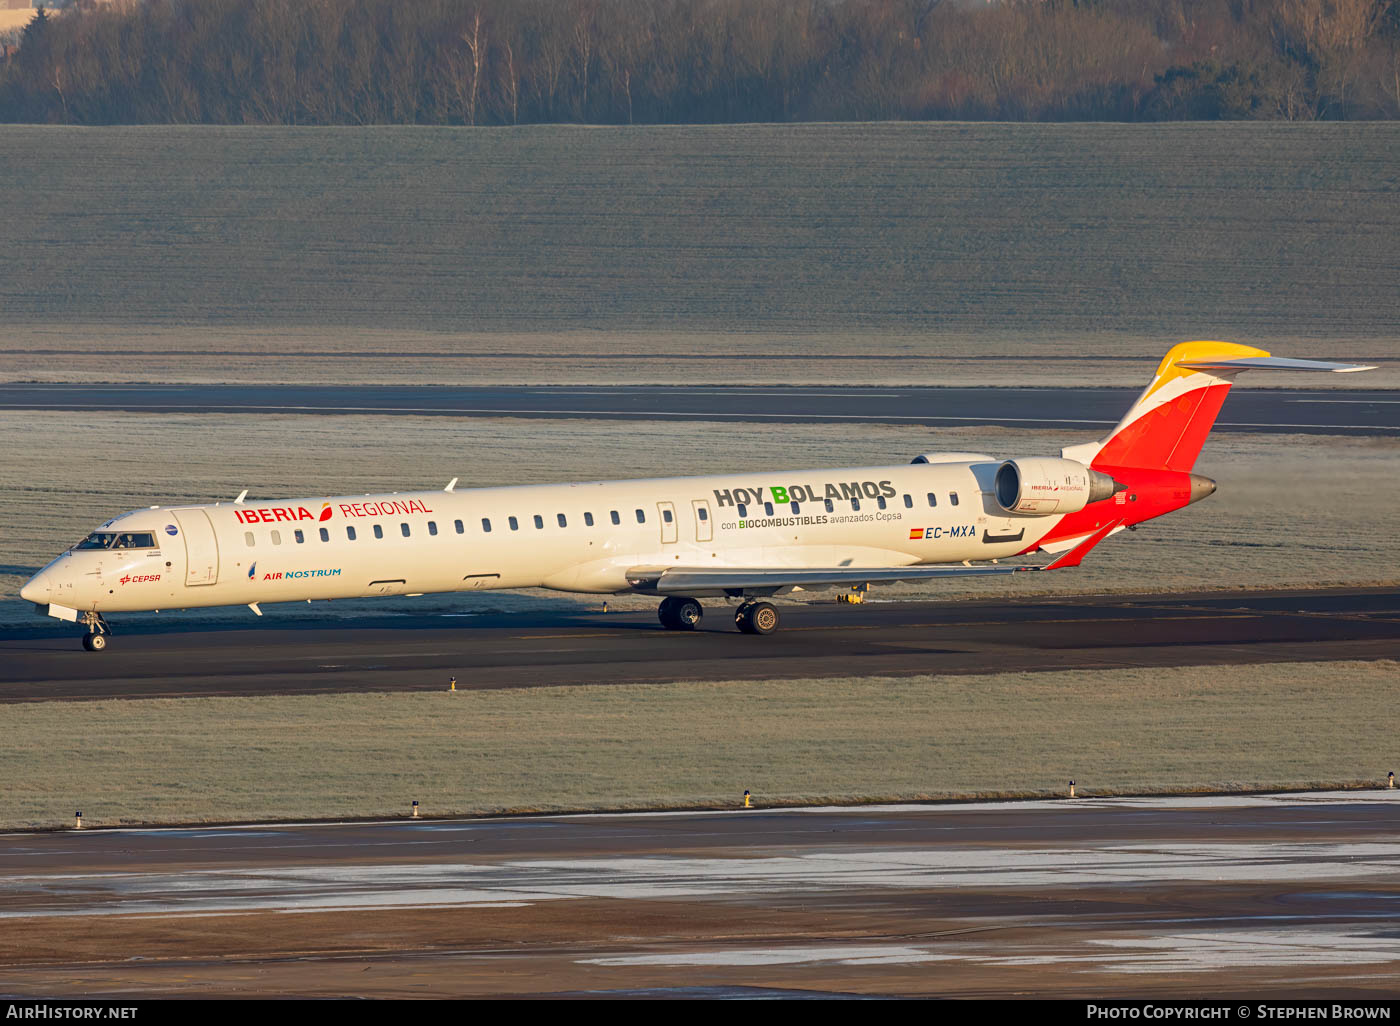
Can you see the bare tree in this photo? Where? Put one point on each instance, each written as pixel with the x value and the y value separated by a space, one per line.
pixel 476 47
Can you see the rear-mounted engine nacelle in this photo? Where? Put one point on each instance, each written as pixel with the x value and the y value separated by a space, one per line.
pixel 1045 485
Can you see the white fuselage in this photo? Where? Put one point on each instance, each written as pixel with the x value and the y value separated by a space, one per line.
pixel 583 537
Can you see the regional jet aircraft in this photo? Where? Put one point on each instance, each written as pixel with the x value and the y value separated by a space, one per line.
pixel 745 537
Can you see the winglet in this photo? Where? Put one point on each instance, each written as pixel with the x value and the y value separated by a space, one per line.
pixel 1076 555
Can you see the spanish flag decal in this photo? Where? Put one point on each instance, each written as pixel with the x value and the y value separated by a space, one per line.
pixel 916 533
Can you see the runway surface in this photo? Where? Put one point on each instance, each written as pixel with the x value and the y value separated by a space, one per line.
pixel 525 650
pixel 1269 410
pixel 1286 895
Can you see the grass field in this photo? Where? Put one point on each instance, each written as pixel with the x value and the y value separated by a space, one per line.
pixel 1291 510
pixel 648 746
pixel 902 253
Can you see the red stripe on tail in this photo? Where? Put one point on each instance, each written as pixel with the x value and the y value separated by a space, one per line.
pixel 1168 437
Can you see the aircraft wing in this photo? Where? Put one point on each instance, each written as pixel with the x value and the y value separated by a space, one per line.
pixel 692 581
pixel 757 580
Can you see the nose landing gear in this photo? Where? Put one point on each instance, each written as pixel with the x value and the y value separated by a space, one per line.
pixel 95 640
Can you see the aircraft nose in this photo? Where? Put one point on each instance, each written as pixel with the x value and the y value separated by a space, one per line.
pixel 38 588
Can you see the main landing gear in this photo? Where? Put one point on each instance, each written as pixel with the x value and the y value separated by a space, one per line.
pixel 683 614
pixel 756 618
pixel 95 640
pixel 680 614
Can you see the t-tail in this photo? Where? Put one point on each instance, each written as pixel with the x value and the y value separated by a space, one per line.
pixel 1166 427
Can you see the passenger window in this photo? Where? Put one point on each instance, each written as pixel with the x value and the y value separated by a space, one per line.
pixel 404 529
pixel 743 511
pixel 704 513
pixel 514 524
pixel 615 518
pixel 666 515
pixel 908 501
pixel 325 535
pixel 458 524
pixel 641 517
pixel 932 500
pixel 588 519
pixel 855 505
pixel 562 521
pixel 768 509
pixel 248 537
pixel 880 502
pixel 486 525
pixel 301 538
pixel 796 508
pixel 378 531
pixel 953 498
pixel 276 537
pixel 432 528
pixel 830 506
pixel 350 532
pixel 539 522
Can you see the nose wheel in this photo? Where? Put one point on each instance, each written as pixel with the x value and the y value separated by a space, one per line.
pixel 95 640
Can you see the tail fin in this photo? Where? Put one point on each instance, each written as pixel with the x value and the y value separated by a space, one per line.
pixel 1166 427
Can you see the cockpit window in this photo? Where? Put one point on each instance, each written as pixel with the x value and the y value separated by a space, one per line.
pixel 118 540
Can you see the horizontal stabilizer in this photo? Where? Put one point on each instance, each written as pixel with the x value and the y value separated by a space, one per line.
pixel 1274 363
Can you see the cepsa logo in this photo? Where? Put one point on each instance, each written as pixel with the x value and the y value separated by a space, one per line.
pixel 273 514
pixel 142 579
